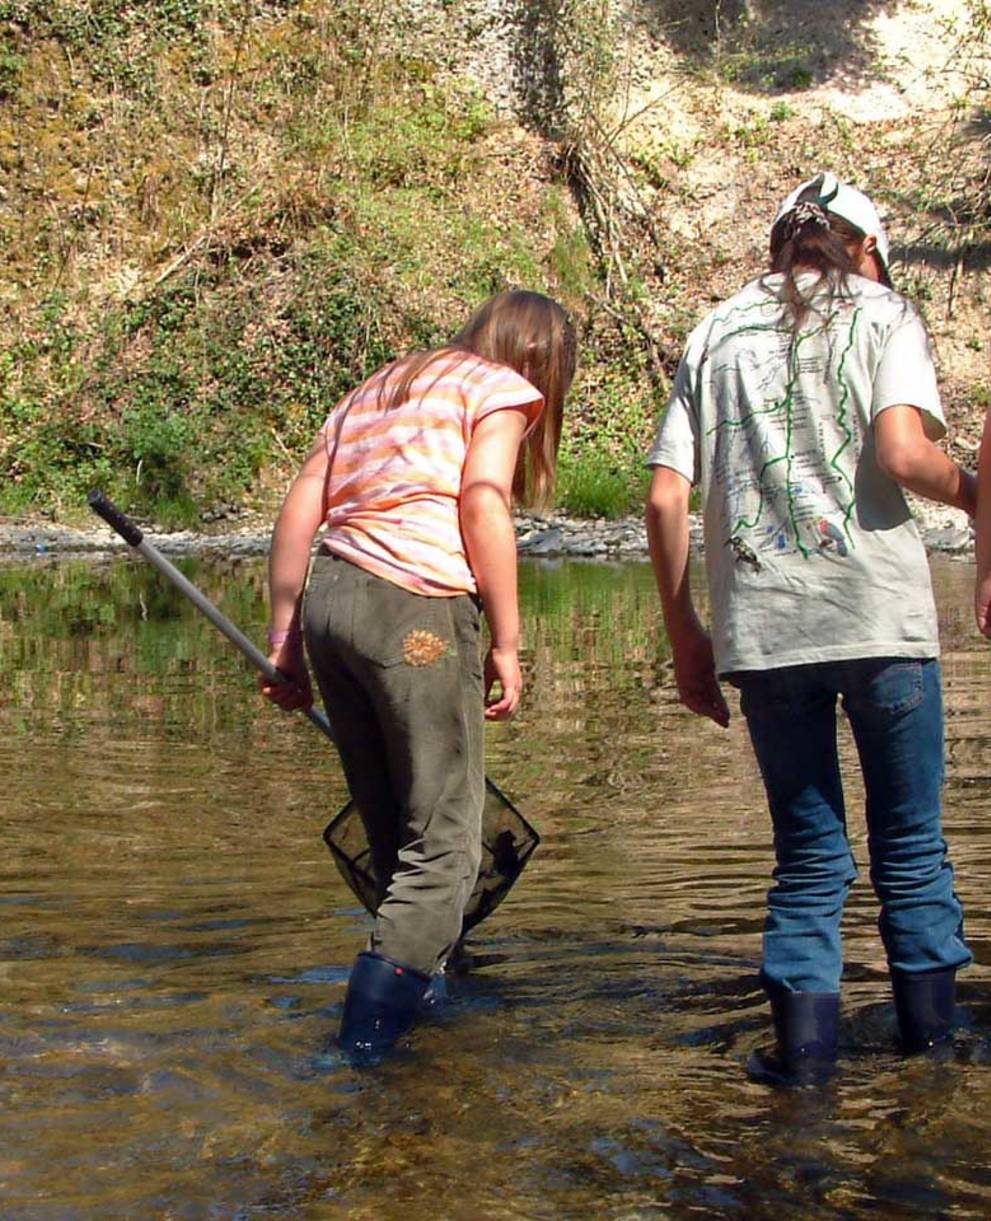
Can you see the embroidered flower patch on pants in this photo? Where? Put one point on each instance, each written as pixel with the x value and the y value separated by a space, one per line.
pixel 422 648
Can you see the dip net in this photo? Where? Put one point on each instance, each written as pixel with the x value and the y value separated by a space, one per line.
pixel 508 841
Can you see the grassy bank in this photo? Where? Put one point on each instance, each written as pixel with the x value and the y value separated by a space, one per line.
pixel 216 216
pixel 222 215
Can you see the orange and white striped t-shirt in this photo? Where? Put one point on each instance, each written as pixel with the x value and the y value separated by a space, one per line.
pixel 395 476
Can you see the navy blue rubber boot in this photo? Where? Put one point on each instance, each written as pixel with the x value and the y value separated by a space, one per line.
pixel 806 1025
pixel 382 1003
pixel 925 1004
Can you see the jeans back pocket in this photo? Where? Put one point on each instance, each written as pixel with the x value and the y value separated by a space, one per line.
pixel 883 687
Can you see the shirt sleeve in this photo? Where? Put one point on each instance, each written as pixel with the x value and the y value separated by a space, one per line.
pixel 676 442
pixel 906 373
pixel 504 389
pixel 329 425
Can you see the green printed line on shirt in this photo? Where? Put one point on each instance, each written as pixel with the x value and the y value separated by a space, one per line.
pixel 841 419
pixel 744 420
pixel 787 404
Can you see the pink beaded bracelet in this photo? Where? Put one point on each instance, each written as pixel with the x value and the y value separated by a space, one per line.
pixel 285 636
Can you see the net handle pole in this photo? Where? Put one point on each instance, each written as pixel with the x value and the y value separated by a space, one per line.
pixel 104 507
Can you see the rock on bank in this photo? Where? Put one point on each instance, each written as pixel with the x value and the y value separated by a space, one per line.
pixel 943 530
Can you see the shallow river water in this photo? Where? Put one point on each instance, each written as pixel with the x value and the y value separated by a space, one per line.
pixel 174 941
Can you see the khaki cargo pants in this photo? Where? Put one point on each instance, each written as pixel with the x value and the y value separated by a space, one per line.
pixel 401 679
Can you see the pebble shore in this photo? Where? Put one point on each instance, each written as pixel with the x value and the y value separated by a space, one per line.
pixel 944 531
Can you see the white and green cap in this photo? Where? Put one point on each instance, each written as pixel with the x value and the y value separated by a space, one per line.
pixel 844 201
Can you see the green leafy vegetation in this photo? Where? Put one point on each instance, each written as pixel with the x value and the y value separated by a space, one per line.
pixel 215 217
pixel 789 66
pixel 227 214
pixel 602 472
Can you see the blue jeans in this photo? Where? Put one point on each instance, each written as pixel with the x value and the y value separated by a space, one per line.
pixel 895 709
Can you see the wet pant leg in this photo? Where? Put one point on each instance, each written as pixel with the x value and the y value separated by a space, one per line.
pixel 791 717
pixel 895 708
pixel 410 725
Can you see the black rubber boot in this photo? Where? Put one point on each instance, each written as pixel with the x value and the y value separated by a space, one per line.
pixel 806 1024
pixel 382 1002
pixel 925 1004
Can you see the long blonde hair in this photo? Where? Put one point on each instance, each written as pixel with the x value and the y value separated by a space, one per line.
pixel 531 334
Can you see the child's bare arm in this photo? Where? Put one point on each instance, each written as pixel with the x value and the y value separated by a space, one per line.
pixel 292 538
pixel 667 534
pixel 982 592
pixel 490 540
pixel 289 558
pixel 906 454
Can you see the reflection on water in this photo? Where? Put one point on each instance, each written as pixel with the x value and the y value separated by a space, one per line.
pixel 175 940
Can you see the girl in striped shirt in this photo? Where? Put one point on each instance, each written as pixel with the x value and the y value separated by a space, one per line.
pixel 412 476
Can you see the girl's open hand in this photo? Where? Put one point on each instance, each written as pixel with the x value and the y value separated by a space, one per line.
pixel 502 666
pixel 695 674
pixel 297 691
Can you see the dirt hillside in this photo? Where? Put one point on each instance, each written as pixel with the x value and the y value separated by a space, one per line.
pixel 215 217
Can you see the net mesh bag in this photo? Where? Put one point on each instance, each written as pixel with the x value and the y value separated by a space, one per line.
pixel 508 841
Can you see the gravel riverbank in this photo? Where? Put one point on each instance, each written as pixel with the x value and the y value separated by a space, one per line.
pixel 946 531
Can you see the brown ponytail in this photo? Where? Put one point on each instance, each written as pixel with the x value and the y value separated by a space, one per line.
pixel 811 238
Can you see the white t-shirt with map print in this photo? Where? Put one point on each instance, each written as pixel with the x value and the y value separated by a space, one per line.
pixel 811 552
